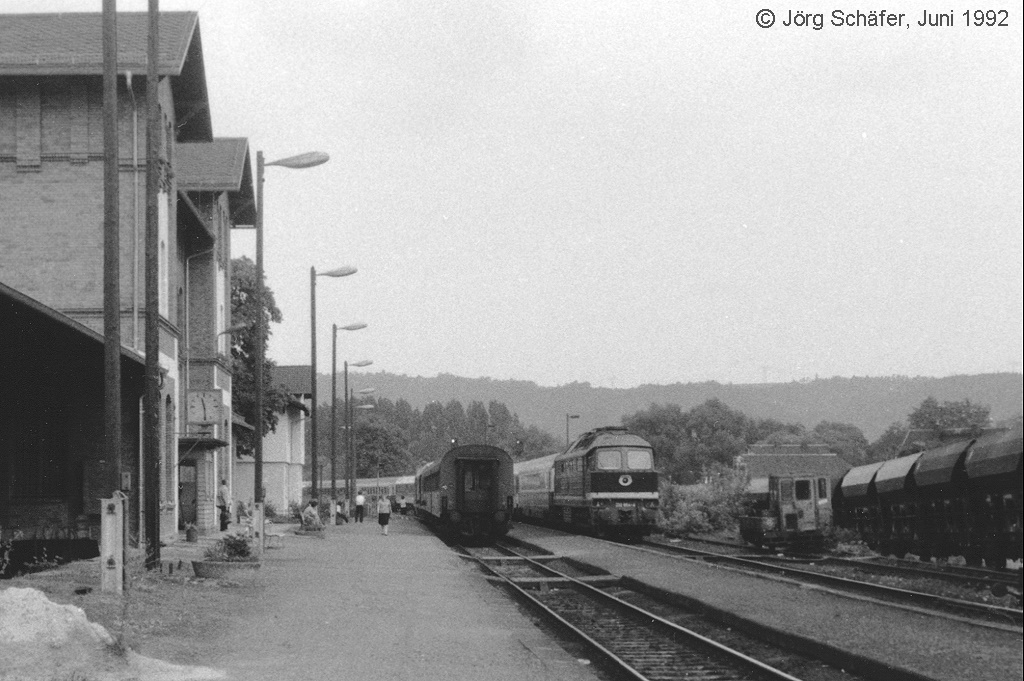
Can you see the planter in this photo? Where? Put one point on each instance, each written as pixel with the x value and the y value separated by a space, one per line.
pixel 218 569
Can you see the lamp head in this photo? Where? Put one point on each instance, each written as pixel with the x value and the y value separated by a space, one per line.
pixel 307 160
pixel 361 363
pixel 353 327
pixel 339 272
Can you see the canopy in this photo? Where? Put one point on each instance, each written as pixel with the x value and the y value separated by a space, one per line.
pixel 995 454
pixel 892 476
pixel 857 480
pixel 935 467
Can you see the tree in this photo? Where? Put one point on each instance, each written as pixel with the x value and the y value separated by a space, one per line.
pixel 845 439
pixel 888 444
pixel 243 351
pixel 949 416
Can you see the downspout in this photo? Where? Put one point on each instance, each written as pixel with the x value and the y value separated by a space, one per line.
pixel 135 215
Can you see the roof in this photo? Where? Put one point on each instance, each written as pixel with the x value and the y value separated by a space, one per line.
pixel 789 449
pixel 294 378
pixel 609 436
pixel 19 311
pixel 892 476
pixel 996 454
pixel 935 466
pixel 764 465
pixel 219 166
pixel 857 480
pixel 71 44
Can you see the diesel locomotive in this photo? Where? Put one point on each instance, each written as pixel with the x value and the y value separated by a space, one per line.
pixel 467 493
pixel 605 483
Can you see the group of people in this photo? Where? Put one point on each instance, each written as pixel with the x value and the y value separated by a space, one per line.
pixel 384 507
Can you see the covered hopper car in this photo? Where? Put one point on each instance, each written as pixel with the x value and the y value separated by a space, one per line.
pixel 960 499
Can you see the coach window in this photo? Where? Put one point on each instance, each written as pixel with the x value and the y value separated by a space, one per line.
pixel 823 488
pixel 609 459
pixel 639 460
pixel 803 490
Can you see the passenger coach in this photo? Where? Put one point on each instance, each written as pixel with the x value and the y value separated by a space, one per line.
pixel 467 492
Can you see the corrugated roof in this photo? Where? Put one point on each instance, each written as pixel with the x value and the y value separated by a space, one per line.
pixel 72 43
pixel 295 379
pixel 996 454
pixel 219 166
pixel 892 476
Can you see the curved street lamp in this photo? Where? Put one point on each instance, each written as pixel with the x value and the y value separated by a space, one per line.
pixel 567 417
pixel 306 160
pixel 334 403
pixel 313 274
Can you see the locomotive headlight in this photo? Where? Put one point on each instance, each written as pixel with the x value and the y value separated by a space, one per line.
pixel 768 523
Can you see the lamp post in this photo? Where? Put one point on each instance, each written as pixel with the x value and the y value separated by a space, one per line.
pixel 567 417
pixel 349 470
pixel 350 434
pixel 307 160
pixel 313 274
pixel 334 403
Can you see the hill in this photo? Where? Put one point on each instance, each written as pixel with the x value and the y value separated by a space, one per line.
pixel 870 403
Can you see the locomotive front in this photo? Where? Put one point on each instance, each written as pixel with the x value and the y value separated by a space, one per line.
pixel 607 483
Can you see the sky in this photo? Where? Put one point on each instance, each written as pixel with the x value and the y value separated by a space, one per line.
pixel 626 193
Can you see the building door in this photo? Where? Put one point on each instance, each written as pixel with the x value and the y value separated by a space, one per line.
pixel 187 492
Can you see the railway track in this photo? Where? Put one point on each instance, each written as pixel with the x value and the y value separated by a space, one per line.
pixel 981 613
pixel 636 641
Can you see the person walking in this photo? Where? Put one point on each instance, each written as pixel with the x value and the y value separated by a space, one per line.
pixel 224 504
pixel 383 514
pixel 360 507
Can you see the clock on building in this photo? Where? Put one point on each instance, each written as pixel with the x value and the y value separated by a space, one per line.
pixel 204 406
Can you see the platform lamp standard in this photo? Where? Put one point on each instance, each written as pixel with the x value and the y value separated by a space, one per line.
pixel 567 417
pixel 349 469
pixel 334 408
pixel 353 458
pixel 307 160
pixel 313 274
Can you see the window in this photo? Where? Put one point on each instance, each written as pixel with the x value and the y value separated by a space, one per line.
pixel 823 488
pixel 609 459
pixel 803 490
pixel 639 459
pixel 785 490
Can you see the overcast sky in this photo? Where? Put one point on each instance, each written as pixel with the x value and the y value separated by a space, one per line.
pixel 629 192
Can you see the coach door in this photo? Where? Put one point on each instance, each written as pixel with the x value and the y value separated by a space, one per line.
pixel 806 504
pixel 477 485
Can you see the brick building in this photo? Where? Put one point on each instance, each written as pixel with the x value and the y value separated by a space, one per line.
pixel 51 234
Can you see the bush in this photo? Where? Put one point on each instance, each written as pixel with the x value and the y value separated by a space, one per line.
pixel 713 506
pixel 269 510
pixel 236 547
pixel 294 510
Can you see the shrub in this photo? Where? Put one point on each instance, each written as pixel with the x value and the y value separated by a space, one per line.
pixel 294 510
pixel 713 506
pixel 269 510
pixel 235 547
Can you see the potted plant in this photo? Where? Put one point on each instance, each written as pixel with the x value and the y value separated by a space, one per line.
pixel 231 552
pixel 191 532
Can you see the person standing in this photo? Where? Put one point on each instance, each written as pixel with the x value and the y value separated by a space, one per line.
pixel 224 504
pixel 360 507
pixel 383 514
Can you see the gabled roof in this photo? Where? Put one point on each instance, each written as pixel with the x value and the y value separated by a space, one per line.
pixel 295 379
pixel 219 166
pixel 764 465
pixel 70 44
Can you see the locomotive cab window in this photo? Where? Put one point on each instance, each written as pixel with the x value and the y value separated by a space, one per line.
pixel 639 460
pixel 609 459
pixel 803 490
pixel 823 488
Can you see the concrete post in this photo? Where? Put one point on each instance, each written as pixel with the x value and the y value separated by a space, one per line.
pixel 112 544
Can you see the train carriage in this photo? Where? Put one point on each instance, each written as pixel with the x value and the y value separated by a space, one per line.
pixel 468 492
pixel 604 483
